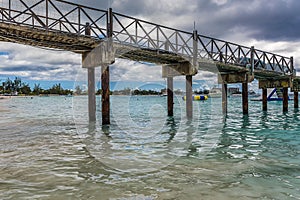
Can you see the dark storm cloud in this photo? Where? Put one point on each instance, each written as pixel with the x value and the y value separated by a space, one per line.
pixel 259 19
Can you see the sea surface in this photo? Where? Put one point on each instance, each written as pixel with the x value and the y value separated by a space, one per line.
pixel 49 150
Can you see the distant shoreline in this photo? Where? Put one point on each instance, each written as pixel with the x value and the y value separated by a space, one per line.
pixel 11 97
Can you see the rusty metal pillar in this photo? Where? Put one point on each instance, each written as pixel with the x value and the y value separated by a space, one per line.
pixel 265 99
pixel 224 98
pixel 296 100
pixel 170 90
pixel 105 79
pixel 189 97
pixel 105 95
pixel 91 84
pixel 245 96
pixel 285 99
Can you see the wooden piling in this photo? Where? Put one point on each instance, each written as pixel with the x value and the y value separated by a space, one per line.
pixel 296 100
pixel 189 96
pixel 245 97
pixel 224 98
pixel 265 99
pixel 285 99
pixel 170 89
pixel 105 95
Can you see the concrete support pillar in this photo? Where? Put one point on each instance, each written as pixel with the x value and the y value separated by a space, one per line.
pixel 170 90
pixel 245 98
pixel 224 98
pixel 91 83
pixel 189 96
pixel 105 95
pixel 296 100
pixel 265 99
pixel 285 99
pixel 91 94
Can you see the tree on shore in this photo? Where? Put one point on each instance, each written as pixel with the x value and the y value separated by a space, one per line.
pixel 16 86
pixel 37 89
pixel 78 90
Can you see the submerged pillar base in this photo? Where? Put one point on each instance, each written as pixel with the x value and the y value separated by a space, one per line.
pixel 105 95
pixel 296 100
pixel 265 99
pixel 170 92
pixel 285 99
pixel 245 98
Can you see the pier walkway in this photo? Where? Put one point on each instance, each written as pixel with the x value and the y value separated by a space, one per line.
pixel 103 35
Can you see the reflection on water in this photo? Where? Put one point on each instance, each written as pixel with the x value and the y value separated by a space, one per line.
pixel 48 150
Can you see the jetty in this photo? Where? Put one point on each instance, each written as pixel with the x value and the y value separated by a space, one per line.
pixel 101 36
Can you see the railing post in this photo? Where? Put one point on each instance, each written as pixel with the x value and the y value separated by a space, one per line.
pixel 226 52
pixel 79 19
pixel 9 7
pixel 252 60
pixel 109 23
pixel 47 15
pixel 292 66
pixel 157 37
pixel 136 32
pixel 195 48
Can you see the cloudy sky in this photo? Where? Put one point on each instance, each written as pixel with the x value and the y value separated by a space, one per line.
pixel 271 25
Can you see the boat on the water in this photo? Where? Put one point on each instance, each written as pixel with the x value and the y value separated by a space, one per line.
pixel 275 95
pixel 215 93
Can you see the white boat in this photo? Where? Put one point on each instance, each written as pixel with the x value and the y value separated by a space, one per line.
pixel 215 93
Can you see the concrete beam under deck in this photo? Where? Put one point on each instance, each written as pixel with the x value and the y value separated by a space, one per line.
pixel 274 83
pixel 48 39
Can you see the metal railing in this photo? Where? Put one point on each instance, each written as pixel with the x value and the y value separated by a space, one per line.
pixel 70 18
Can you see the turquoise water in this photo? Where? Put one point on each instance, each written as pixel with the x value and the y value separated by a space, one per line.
pixel 48 150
